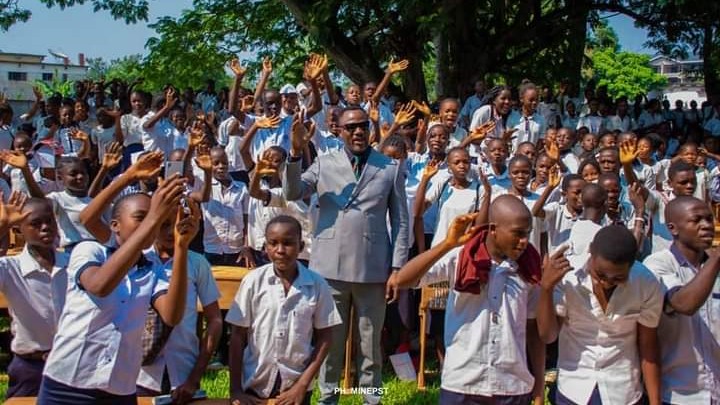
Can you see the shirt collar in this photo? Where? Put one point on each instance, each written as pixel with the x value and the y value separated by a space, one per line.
pixel 29 265
pixel 303 278
pixel 363 156
pixel 140 263
pixel 681 259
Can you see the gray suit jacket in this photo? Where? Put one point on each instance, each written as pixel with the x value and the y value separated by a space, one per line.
pixel 351 241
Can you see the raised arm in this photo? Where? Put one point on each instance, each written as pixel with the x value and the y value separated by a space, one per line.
pixel 295 186
pixel 638 198
pixel 247 140
pixel 170 100
pixel 239 72
pixel 554 269
pixel 261 169
pixel 204 162
pixel 103 279
pixel 330 88
pixel 265 75
pixel 17 159
pixel 628 154
pixel 11 213
pixel 313 71
pixel 686 300
pixel 36 105
pixel 553 181
pixel 392 68
pixel 478 134
pixel 112 158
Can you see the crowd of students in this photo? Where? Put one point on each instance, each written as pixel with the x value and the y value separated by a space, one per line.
pixel 582 220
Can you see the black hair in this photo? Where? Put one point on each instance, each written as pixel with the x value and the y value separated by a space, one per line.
pixel 54 99
pixel 610 149
pixel 83 103
pixel 287 220
pixel 589 162
pixel 351 108
pixel 614 243
pixel 569 178
pixel 525 143
pixel 525 87
pixel 609 176
pixel 679 166
pixel 51 120
pixel 120 202
pixel 448 100
pixel 5 108
pixel 38 201
pixel 593 196
pixel 280 150
pixel 456 149
pixel 69 160
pixel 493 93
pixel 396 141
pixel 519 159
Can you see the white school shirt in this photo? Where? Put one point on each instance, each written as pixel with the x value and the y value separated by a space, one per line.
pixel 223 218
pixel 456 137
pixel 529 129
pixel 232 142
pixel 102 137
pixel 594 123
pixel 558 224
pixel 647 119
pixel 67 210
pixel 415 166
pixel 691 358
pixel 599 348
pixel 280 326
pixel 98 344
pixel 484 114
pixel 617 123
pixel 182 349
pixel 6 137
pixel 452 202
pixel 571 162
pixel 485 333
pixel 36 298
pixel 17 180
pixel 661 236
pixel 267 137
pixel 5 189
pixel 326 142
pixel 70 146
pixel 581 235
pixel 159 137
pixel 570 122
pixel 550 112
pixel 132 129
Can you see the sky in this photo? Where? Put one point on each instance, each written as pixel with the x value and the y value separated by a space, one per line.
pixel 79 30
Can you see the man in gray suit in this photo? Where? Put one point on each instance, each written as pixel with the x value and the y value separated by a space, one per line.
pixel 358 188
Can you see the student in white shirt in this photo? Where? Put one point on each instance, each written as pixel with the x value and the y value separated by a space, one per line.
pixel 106 131
pixel 71 146
pixel 22 143
pixel 34 284
pixel 157 134
pixel 593 121
pixel 132 125
pixel 449 117
pixel 472 103
pixel 490 321
pixel 529 124
pixel 97 350
pixel 571 118
pixel 6 131
pixel 651 116
pixel 621 121
pixel 184 357
pixel 606 312
pixel 559 217
pixel 682 181
pixel 283 318
pixel 594 207
pixel 688 271
pixel 497 110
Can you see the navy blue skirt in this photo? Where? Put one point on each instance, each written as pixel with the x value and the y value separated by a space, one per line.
pixel 55 393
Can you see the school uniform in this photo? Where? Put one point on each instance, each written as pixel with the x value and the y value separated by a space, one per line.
pixel 97 350
pixel 231 142
pixel 452 202
pixel 6 137
pixel 67 209
pixel 159 137
pixel 647 119
pixel 581 235
pixel 598 361
pixel 71 147
pixel 485 334
pixel 690 359
pixel 471 105
pixel 267 137
pixel 325 141
pixel 570 121
pixel 223 218
pixel 484 114
pixel 180 353
pixel 280 326
pixel 102 137
pixel 571 162
pixel 657 201
pixel 558 224
pixel 415 164
pixel 618 123
pixel 594 123
pixel 133 133
pixel 36 298
pixel 529 128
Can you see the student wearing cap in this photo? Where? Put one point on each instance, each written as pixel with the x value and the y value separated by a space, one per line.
pixel 289 101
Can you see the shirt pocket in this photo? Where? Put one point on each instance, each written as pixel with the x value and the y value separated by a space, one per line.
pixel 625 323
pixel 301 332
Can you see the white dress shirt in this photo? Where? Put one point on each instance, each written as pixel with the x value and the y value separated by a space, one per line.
pixel 223 217
pixel 529 128
pixel 132 129
pixel 36 298
pixel 267 137
pixel 98 344
pixel 599 347
pixel 67 210
pixel 691 357
pixel 232 142
pixel 485 333
pixel 280 325
pixel 182 349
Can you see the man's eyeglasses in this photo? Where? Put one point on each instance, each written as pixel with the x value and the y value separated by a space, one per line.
pixel 352 127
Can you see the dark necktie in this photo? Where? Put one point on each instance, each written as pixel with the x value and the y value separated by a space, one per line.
pixel 357 169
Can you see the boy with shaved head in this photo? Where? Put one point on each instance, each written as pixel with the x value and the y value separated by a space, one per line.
pixel 688 269
pixel 490 310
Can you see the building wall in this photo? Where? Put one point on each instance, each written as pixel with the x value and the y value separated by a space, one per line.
pixel 17 78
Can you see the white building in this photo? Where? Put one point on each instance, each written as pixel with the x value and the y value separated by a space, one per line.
pixel 19 71
pixel 678 72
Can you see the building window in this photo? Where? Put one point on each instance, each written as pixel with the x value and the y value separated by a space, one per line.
pixel 64 77
pixel 47 77
pixel 17 76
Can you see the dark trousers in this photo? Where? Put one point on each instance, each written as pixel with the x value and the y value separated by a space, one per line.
pixel 55 393
pixel 24 377
pixel 454 398
pixel 595 399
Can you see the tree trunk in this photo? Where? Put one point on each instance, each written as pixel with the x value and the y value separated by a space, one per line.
pixel 711 63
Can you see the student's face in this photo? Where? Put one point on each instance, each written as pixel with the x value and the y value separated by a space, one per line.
pixel 137 102
pixel 570 108
pixel 74 177
pixel 52 108
pixel 449 111
pixel 644 149
pixel 282 245
pixel 503 102
pixel 480 87
pixel 219 164
pixel 564 139
pixel 166 233
pixel 331 120
pixel 622 108
pixel 542 169
pixel 437 139
pixel 272 104
pixel 22 144
pixel 574 193
pixel 612 187
pixel 66 115
pixel 701 161
pixel 608 274
pixel 459 164
pixel 530 99
pixel 712 144
pixel 608 162
pixel 353 95
pixel 519 174
pixel 179 120
pixel 689 154
pixel 275 158
pixel 394 152
pixel 289 102
pixel 40 227
pixel 684 183
pixel 528 151
pixel 129 217
pixel 81 111
pixel 608 141
pixel 512 235
pixel 590 174
pixel 497 152
pixel 589 143
pixel 694 227
pixel 627 137
pixel 369 90
pixel 354 126
pixel 593 106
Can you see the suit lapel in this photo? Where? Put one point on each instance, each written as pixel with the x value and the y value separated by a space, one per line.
pixel 372 166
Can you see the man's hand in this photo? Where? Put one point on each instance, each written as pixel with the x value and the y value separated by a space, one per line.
pixel 628 153
pixel 295 395
pixel 245 258
pixel 405 114
pixel 187 225
pixel 315 66
pixel 147 166
pixel 14 158
pixel 391 288
pixel 399 66
pixel 554 268
pixel 113 155
pixel 461 230
pixel 237 68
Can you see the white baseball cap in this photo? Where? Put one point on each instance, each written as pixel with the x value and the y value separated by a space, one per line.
pixel 288 89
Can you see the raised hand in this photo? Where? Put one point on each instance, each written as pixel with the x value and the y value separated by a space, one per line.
pixel 555 267
pixel 374 112
pixel 461 231
pixel 299 135
pixel 431 168
pixel 264 167
pixel 628 152
pixel 399 66
pixel 552 150
pixel 113 155
pixel 237 68
pixel 166 199
pixel 554 177
pixel 197 134
pixel 487 187
pixel 267 65
pixel 422 107
pixel 79 135
pixel 315 66
pixel 481 132
pixel 14 158
pixel 147 166
pixel 507 135
pixel 267 122
pixel 187 225
pixel 637 197
pixel 203 160
pixel 405 114
pixel 37 93
pixel 11 213
pixel 247 103
pixel 170 97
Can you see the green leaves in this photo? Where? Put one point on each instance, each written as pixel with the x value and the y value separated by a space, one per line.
pixel 625 73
